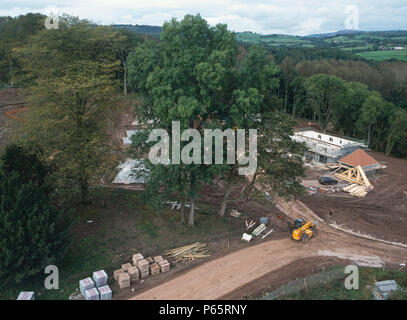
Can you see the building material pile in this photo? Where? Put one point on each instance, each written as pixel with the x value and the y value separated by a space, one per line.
pixel 164 265
pixel 154 269
pixel 86 284
pixel 144 268
pixel 141 268
pixel 92 294
pixel 259 230
pixel 26 295
pixel 124 280
pixel 384 289
pixel 356 190
pixel 100 278
pixel 105 293
pixel 189 253
pixel 97 288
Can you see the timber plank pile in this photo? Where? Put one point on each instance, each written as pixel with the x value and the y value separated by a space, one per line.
pixel 197 250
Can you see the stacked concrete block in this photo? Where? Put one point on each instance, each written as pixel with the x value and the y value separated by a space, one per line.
pixel 149 260
pixel 143 267
pixel 86 284
pixel 136 258
pixel 117 273
pixel 157 259
pixel 126 266
pixel 26 295
pixel 134 274
pixel 124 280
pixel 105 293
pixel 154 269
pixel 91 294
pixel 164 265
pixel 100 278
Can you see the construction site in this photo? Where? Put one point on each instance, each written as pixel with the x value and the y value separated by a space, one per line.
pixel 260 246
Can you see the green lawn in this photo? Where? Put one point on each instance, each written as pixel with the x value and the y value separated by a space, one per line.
pixel 384 55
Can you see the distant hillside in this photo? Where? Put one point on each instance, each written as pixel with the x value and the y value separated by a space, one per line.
pixel 143 29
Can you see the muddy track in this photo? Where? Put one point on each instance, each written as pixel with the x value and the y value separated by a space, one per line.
pixel 229 275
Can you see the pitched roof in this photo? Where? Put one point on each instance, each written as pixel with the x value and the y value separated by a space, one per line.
pixel 358 157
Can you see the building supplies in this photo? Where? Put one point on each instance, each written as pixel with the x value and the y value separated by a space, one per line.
pixel 143 267
pixel 247 237
pixel 356 190
pixel 259 230
pixel 355 175
pixel 157 259
pixel 189 253
pixel 154 269
pixel 86 284
pixel 265 235
pixel 137 257
pixel 105 293
pixel 235 213
pixel 100 278
pixel 384 289
pixel 164 265
pixel 134 274
pixel 26 295
pixel 91 294
pixel 249 224
pixel 117 273
pixel 126 266
pixel 124 280
pixel 149 260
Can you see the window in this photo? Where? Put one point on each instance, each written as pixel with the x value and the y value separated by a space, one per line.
pixel 340 141
pixel 323 159
pixel 319 136
pixel 331 139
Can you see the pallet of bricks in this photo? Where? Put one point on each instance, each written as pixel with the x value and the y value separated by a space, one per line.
pixel 139 269
pixel 96 288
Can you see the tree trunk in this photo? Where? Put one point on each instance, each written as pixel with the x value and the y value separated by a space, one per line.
pixel 191 219
pixel 84 190
pixel 286 98
pixel 224 204
pixel 182 211
pixel 124 78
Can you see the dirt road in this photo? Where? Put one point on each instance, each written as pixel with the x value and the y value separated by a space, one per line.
pixel 215 279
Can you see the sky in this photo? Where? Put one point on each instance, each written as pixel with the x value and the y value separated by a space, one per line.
pixel 261 16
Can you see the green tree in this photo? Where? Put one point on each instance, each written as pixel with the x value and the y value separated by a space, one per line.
pixel 33 234
pixel 397 137
pixel 71 73
pixel 325 95
pixel 16 158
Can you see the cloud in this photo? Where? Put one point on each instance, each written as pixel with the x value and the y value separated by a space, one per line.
pixel 262 16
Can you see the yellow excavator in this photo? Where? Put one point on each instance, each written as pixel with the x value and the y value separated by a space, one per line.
pixel 303 230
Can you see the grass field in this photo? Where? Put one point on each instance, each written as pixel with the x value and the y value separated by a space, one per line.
pixel 330 285
pixel 122 226
pixel 384 55
pixel 336 290
pixel 273 39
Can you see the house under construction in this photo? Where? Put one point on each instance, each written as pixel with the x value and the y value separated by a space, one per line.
pixel 324 148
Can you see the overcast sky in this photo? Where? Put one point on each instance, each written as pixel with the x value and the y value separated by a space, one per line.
pixel 262 16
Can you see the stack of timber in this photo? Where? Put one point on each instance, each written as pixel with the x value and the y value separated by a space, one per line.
pixel 356 190
pixel 259 230
pixel 189 253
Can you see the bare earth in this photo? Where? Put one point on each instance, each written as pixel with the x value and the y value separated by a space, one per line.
pixel 217 278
